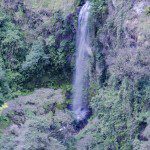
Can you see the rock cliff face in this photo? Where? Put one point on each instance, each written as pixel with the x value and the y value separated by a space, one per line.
pixel 124 38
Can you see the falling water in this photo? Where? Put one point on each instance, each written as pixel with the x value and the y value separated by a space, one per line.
pixel 81 79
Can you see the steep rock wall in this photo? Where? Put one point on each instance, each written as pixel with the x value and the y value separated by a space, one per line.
pixel 123 39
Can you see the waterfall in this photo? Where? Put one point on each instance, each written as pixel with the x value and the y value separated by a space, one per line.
pixel 81 79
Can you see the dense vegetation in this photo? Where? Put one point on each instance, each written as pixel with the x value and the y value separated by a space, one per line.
pixel 121 106
pixel 36 54
pixel 37 50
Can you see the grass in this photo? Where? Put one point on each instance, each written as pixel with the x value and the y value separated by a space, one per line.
pixel 53 5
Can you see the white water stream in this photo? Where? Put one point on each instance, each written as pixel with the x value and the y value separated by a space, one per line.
pixel 81 81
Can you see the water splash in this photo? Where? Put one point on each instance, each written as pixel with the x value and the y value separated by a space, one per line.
pixel 81 79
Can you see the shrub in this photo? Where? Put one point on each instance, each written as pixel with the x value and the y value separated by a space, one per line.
pixel 35 61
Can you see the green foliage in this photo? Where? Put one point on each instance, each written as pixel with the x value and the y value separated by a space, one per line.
pixel 61 44
pixel 98 12
pixel 112 115
pixel 42 61
pixel 12 44
pixel 4 87
pixel 35 60
pixel 98 7
pixel 120 107
pixel 117 117
pixel 4 123
pixel 40 122
pixel 147 10
pixel 50 41
pixel 79 2
pixel 13 50
pixel 65 6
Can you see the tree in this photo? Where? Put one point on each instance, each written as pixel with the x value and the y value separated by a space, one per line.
pixel 35 61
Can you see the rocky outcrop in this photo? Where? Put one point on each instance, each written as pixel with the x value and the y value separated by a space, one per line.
pixel 124 39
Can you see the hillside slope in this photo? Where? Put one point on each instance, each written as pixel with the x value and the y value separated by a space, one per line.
pixel 37 49
pixel 38 121
pixel 66 6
